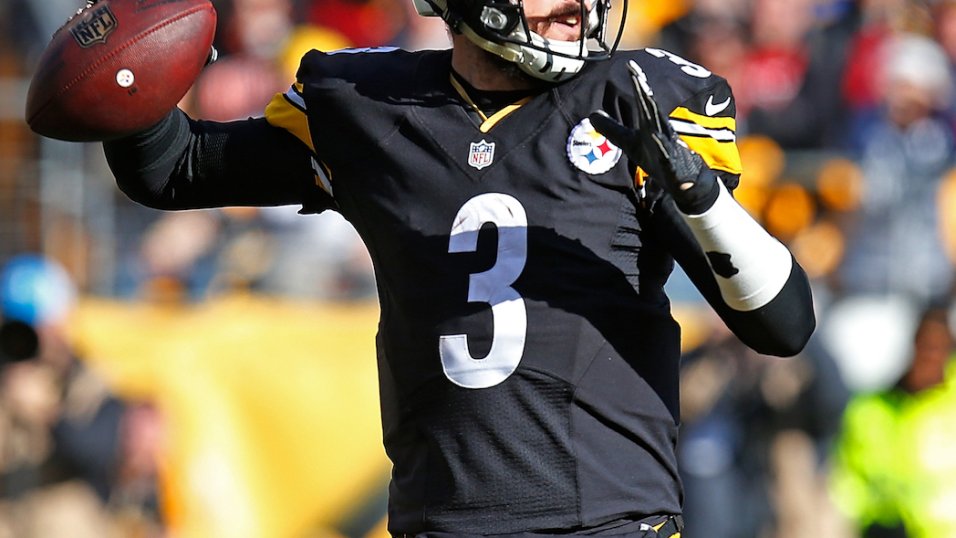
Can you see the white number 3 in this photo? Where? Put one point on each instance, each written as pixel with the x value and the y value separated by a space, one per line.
pixel 686 66
pixel 492 287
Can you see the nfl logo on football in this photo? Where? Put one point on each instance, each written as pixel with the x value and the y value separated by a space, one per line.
pixel 482 154
pixel 95 28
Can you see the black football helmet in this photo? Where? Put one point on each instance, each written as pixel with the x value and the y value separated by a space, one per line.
pixel 500 27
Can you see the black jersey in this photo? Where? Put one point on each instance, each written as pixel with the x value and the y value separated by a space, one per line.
pixel 528 357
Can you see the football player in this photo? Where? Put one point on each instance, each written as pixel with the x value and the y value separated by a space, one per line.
pixel 523 204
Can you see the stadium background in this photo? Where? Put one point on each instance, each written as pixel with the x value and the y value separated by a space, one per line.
pixel 250 333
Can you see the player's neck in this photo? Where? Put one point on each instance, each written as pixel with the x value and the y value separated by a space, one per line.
pixel 485 71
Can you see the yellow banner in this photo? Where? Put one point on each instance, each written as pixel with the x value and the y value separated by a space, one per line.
pixel 271 412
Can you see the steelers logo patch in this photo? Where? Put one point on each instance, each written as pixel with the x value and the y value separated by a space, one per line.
pixel 589 151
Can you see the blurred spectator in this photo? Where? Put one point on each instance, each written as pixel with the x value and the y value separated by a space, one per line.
pixel 260 249
pixel 944 31
pixel 424 32
pixel 61 429
pixel 249 73
pixel 775 65
pixel 784 59
pixel 304 38
pixel 365 23
pixel 743 419
pixel 192 255
pixel 879 20
pixel 894 473
pixel 174 257
pixel 914 84
pixel 713 33
pixel 30 23
pixel 336 266
pixel 807 113
pixel 905 149
pixel 647 20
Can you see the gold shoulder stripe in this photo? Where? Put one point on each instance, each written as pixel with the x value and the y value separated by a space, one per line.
pixel 718 155
pixel 714 138
pixel 707 122
pixel 288 112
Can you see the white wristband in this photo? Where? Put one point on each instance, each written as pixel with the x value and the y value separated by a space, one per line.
pixel 760 263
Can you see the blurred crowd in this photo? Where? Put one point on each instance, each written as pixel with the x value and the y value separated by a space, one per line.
pixel 847 131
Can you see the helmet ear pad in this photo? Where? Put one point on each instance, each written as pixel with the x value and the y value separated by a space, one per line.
pixel 496 19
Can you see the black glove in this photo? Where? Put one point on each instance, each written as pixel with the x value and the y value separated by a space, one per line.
pixel 656 148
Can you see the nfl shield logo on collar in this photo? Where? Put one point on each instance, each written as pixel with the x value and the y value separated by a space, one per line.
pixel 482 154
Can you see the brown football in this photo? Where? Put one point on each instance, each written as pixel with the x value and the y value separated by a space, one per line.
pixel 118 66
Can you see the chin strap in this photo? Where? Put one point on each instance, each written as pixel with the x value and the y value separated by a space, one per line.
pixel 508 54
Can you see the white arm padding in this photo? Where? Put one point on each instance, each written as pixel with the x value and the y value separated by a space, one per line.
pixel 762 262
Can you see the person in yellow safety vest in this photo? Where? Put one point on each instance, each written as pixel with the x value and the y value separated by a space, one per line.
pixel 894 471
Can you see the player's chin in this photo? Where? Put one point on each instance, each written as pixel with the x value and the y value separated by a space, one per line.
pixel 512 71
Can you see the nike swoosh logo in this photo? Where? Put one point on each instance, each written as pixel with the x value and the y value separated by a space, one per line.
pixel 712 109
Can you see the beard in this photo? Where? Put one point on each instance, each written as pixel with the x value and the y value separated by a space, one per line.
pixel 510 69
pixel 513 72
pixel 491 62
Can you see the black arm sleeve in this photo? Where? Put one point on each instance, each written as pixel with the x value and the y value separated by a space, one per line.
pixel 181 163
pixel 781 327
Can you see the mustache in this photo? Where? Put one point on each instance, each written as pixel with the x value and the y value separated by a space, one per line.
pixel 570 8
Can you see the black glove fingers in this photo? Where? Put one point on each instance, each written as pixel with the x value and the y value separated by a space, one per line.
pixel 645 121
pixel 651 117
pixel 653 145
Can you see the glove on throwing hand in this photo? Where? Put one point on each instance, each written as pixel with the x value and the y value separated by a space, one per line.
pixel 656 148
